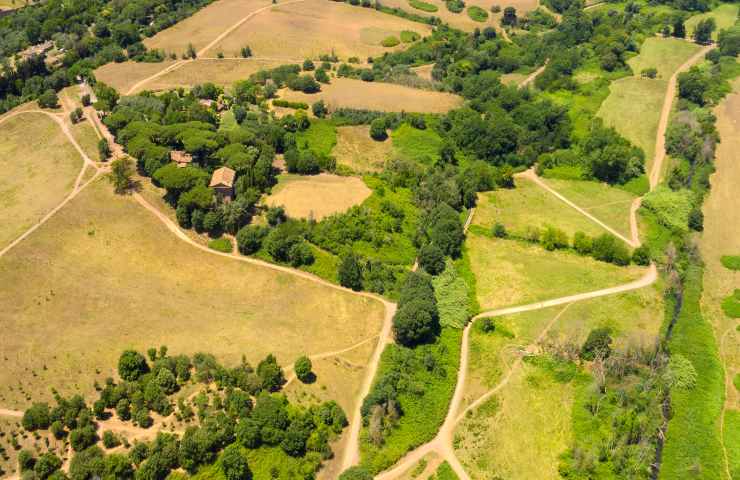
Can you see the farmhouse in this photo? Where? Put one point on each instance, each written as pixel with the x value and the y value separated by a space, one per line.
pixel 182 159
pixel 222 183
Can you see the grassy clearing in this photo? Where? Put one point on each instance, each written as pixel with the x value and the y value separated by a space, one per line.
pixel 387 97
pixel 317 196
pixel 510 272
pixel 115 277
pixel 477 14
pixel 529 205
pixel 663 54
pixel 85 134
pixel 39 169
pixel 314 27
pixel 356 150
pixel 692 446
pixel 123 76
pixel 725 15
pixel 609 204
pixel 320 137
pixel 419 145
pixel 221 245
pixel 424 410
pixel 423 6
pixel 532 420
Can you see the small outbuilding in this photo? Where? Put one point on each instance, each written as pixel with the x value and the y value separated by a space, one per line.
pixel 181 158
pixel 222 182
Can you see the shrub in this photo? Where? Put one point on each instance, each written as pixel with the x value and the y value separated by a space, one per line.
pixel 47 464
pixel 36 417
pixel 110 440
pixel 303 367
pixel 249 238
pixel 554 239
pixel 319 109
pixel 455 6
pixel 641 255
pixel 390 41
pixel 377 130
pixel 680 373
pixel 408 36
pixel 417 318
pixel 651 72
pixel 598 344
pixel 308 65
pixel 432 259
pixel 26 460
pixel 303 83
pixel 289 104
pixel 731 304
pixel 487 325
pixel 582 243
pixel 499 230
pixel 423 6
pixel 48 99
pixel 731 261
pixel 356 473
pixel 477 14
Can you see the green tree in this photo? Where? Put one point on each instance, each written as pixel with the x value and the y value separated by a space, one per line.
pixel 509 19
pixel 432 259
pixel 132 365
pixel 303 368
pixel 47 464
pixel 692 85
pixel 48 99
pixel 319 109
pixel 249 238
pixel 103 150
pixel 349 272
pixel 26 460
pixel 378 130
pixel 679 29
pixel 122 171
pixel 36 417
pixel 234 464
pixel 270 374
pixel 704 29
pixel 641 255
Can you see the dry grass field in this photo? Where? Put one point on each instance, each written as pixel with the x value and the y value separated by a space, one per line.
pixel 123 76
pixel 317 196
pixel 531 415
pixel 388 97
pixel 511 272
pixel 39 169
pixel 722 237
pixel 312 27
pixel 205 25
pixel 222 72
pixel 356 150
pixel 529 205
pixel 85 134
pixel 104 274
pixel 609 204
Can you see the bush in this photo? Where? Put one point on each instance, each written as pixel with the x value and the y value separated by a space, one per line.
pixel 554 239
pixel 110 440
pixel 303 83
pixel 249 238
pixel 487 325
pixel 499 230
pixel 477 14
pixel 390 41
pixel 641 255
pixel 48 99
pixel 598 344
pixel 408 36
pixel 378 130
pixel 455 6
pixel 47 464
pixel 303 367
pixel 651 72
pixel 319 109
pixel 582 243
pixel 672 208
pixel 356 473
pixel 417 318
pixel 37 417
pixel 432 259
pixel 423 6
pixel 26 460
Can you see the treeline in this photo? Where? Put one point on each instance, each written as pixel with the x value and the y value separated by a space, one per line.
pixel 87 33
pixel 242 414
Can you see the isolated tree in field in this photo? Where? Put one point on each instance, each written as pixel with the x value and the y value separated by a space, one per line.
pixel 303 368
pixel 319 109
pixel 48 99
pixel 499 230
pixel 349 272
pixel 191 53
pixel 246 52
pixel 509 18
pixel 679 29
pixel 704 29
pixel 378 130
pixel 85 99
pixel 121 172
pixel 432 259
pixel 132 365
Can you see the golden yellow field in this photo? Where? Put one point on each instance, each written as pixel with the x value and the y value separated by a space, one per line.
pixel 123 76
pixel 388 97
pixel 39 169
pixel 308 28
pixel 104 274
pixel 355 149
pixel 317 196
pixel 205 26
pixel 222 72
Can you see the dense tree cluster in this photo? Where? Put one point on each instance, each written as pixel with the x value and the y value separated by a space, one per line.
pixel 87 34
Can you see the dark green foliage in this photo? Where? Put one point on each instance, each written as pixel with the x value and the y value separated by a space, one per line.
pixel 641 255
pixel 82 437
pixel 597 345
pixel 132 365
pixel 47 464
pixel 608 249
pixel 36 417
pixel 26 460
pixel 432 259
pixel 234 464
pixel 703 30
pixel 554 239
pixel 349 272
pixel 249 238
pixel 417 319
pixel 88 464
pixel 378 130
pixel 319 109
pixel 110 440
pixel 270 374
pixel 693 85
pixel 303 83
pixel 303 368
pixel 729 41
pixel 487 325
pixel 499 230
pixel 48 99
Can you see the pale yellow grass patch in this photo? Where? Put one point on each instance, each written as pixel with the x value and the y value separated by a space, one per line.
pixel 358 151
pixel 104 274
pixel 223 72
pixel 123 76
pixel 317 196
pixel 39 169
pixel 722 237
pixel 512 78
pixel 205 25
pixel 313 27
pixel 86 136
pixel 424 71
pixel 388 97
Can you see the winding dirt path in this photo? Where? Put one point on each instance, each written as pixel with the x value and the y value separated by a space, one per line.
pixel 532 76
